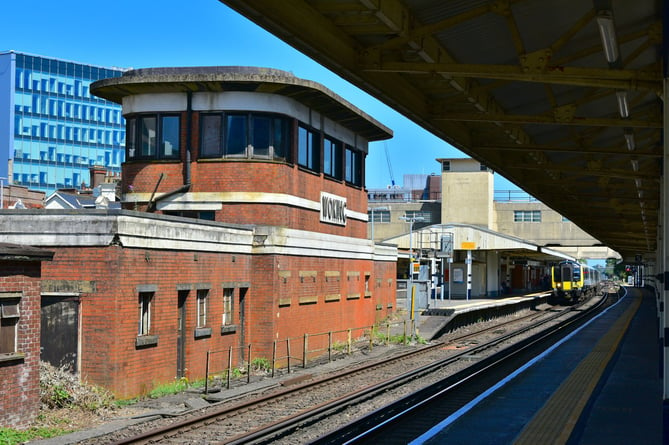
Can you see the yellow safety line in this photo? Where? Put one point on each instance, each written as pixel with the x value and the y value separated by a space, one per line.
pixel 555 421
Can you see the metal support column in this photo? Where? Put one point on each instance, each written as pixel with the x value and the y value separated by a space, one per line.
pixel 664 252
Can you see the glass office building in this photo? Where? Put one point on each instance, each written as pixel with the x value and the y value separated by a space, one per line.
pixel 52 130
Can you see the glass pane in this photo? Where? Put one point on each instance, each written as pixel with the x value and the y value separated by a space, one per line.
pixel 170 136
pixel 148 129
pixel 235 135
pixel 302 146
pixel 328 155
pixel 211 136
pixel 130 137
pixel 281 138
pixel 261 135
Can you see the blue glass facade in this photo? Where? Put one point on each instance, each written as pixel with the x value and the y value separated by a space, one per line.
pixel 51 127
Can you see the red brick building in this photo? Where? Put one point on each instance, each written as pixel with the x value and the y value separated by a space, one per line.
pixel 20 269
pixel 251 228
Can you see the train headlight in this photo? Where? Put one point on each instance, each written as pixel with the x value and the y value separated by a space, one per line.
pixel 559 285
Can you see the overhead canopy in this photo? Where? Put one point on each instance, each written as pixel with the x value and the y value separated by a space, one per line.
pixel 562 97
pixel 469 237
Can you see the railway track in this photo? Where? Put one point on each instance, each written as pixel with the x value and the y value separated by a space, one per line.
pixel 303 406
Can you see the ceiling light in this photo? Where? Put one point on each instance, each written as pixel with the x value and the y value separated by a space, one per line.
pixel 629 140
pixel 635 165
pixel 623 106
pixel 607 32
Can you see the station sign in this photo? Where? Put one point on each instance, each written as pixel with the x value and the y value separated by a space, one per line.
pixel 333 209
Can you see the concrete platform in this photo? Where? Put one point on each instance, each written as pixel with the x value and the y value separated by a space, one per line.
pixel 441 315
pixel 600 386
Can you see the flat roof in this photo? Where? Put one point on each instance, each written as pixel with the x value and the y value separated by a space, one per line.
pixel 242 78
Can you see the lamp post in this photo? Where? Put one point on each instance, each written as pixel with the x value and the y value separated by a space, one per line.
pixel 2 192
pixel 379 209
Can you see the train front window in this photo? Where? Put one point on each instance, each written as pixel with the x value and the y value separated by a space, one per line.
pixel 565 273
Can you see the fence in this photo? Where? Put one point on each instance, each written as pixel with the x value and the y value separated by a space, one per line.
pixel 307 348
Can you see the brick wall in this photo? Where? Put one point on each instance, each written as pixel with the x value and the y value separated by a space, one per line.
pixel 286 297
pixel 19 374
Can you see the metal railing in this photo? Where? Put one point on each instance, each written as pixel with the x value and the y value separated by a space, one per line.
pixel 307 348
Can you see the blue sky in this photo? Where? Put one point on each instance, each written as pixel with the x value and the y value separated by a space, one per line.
pixel 143 33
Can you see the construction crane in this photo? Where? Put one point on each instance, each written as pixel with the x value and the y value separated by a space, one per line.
pixel 390 167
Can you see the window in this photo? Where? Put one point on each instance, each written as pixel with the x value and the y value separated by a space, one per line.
pixel 379 216
pixel 235 135
pixel 9 321
pixel 144 313
pixel 332 157
pixel 445 166
pixel 308 148
pixel 244 135
pixel 169 140
pixel 422 217
pixel 202 297
pixel 151 136
pixel 527 216
pixel 228 295
pixel 353 166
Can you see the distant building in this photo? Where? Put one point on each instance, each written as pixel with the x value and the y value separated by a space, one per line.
pixel 52 130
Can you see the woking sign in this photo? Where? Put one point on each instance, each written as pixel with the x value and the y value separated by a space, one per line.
pixel 333 209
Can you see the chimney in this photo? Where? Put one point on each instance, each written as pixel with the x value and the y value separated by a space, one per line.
pixel 98 173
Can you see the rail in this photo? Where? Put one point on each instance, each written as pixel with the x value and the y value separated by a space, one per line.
pixel 306 348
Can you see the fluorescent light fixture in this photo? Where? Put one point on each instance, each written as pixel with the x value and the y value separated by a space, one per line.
pixel 637 181
pixel 607 32
pixel 623 105
pixel 635 165
pixel 629 140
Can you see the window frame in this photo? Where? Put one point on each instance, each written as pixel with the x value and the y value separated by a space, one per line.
pixel 202 303
pixel 308 156
pixel 227 315
pixel 278 135
pixel 145 298
pixel 353 166
pixel 333 150
pixel 135 140
pixel 531 216
pixel 9 324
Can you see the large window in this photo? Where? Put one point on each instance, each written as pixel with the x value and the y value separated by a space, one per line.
pixel 308 148
pixel 153 137
pixel 251 135
pixel 332 158
pixel 527 216
pixel 9 320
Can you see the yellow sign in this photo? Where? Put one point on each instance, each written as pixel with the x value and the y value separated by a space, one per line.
pixel 467 245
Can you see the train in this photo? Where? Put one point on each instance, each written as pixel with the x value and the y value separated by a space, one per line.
pixel 572 282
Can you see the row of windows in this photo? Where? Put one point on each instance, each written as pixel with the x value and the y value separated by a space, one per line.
pixel 50 108
pixel 202 316
pixel 383 216
pixel 67 133
pixel 244 135
pixel 57 76
pixel 527 216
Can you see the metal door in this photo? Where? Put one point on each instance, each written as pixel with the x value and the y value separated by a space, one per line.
pixel 59 334
pixel 181 333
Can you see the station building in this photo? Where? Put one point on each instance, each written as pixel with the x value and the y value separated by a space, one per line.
pixel 244 223
pixel 494 241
